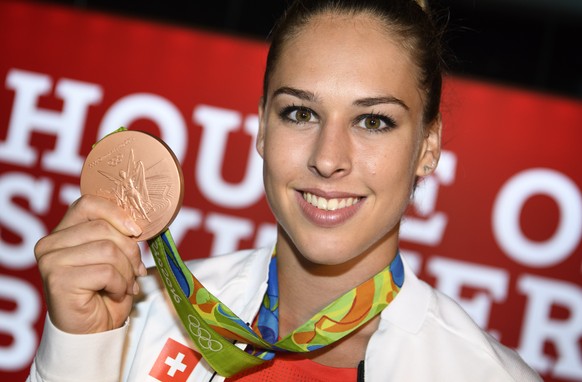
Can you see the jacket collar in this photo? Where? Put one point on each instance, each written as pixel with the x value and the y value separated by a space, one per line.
pixel 409 309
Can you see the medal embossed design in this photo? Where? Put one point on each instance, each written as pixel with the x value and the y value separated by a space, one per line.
pixel 139 173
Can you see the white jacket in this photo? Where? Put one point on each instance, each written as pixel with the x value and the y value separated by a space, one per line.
pixel 423 336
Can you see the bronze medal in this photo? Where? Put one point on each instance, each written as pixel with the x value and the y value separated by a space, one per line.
pixel 139 173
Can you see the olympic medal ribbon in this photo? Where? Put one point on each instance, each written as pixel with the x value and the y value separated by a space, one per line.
pixel 223 356
pixel 211 324
pixel 340 318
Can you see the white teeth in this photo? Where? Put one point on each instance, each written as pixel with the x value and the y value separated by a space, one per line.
pixel 332 204
pixel 329 204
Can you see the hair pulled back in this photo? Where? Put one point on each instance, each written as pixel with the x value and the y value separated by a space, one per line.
pixel 409 21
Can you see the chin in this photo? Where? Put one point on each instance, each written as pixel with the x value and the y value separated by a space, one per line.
pixel 333 254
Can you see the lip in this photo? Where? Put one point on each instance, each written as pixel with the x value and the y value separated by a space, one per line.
pixel 328 219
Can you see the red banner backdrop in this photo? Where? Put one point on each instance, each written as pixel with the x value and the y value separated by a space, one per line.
pixel 498 227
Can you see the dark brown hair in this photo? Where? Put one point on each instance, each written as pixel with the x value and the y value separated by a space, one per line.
pixel 410 22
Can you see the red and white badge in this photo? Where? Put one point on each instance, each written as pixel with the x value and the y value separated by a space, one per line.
pixel 175 362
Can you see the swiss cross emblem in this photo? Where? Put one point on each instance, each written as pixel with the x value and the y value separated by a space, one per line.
pixel 175 362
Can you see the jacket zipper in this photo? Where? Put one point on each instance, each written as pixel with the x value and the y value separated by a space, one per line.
pixel 361 371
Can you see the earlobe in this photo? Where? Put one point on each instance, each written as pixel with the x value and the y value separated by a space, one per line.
pixel 429 168
pixel 431 149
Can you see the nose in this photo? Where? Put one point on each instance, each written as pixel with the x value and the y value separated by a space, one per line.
pixel 331 151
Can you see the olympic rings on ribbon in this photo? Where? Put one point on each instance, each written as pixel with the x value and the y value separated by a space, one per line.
pixel 202 335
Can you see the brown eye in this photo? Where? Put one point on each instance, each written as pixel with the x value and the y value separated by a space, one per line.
pixel 299 115
pixel 302 115
pixel 372 122
pixel 375 122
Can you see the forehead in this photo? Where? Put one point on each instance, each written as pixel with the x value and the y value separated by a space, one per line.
pixel 337 53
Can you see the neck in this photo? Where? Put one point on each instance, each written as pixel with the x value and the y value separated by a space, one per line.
pixel 349 351
pixel 305 288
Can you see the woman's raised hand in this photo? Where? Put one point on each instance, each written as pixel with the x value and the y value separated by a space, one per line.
pixel 89 265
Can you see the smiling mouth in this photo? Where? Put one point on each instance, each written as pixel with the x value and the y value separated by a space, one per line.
pixel 329 204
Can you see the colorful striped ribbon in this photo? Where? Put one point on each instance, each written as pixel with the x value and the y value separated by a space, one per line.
pixel 213 326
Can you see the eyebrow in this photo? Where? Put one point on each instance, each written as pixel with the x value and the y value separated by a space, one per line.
pixel 363 102
pixel 301 94
pixel 373 101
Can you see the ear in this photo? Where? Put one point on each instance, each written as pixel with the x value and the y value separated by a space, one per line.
pixel 430 151
pixel 260 145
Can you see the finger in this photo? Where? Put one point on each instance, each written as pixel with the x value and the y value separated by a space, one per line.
pixel 91 207
pixel 64 262
pixel 98 297
pixel 97 233
pixel 104 278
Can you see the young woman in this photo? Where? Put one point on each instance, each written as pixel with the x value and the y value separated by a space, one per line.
pixel 349 122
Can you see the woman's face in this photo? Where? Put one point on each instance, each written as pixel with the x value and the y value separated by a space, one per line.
pixel 342 139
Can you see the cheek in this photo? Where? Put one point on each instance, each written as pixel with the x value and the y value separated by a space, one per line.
pixel 284 147
pixel 281 157
pixel 390 166
pixel 281 168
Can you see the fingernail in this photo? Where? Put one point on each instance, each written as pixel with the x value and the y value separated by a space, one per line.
pixel 135 288
pixel 133 227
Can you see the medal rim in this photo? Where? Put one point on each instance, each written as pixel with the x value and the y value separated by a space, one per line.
pixel 86 190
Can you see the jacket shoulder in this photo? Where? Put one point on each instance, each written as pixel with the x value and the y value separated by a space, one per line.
pixel 426 335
